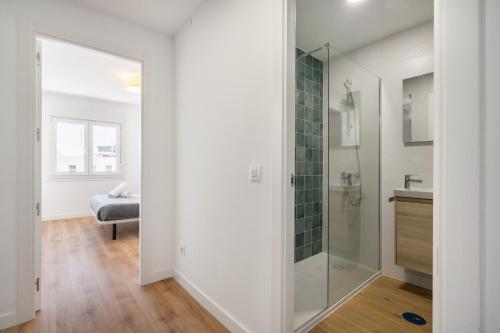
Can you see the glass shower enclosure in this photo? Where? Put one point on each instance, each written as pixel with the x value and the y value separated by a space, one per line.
pixel 337 148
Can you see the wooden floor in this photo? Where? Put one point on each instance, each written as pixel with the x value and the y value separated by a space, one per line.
pixel 89 284
pixel 378 308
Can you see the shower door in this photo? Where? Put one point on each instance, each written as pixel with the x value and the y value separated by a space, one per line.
pixel 354 173
pixel 337 180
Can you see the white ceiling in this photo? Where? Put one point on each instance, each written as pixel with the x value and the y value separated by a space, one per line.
pixel 75 70
pixel 348 25
pixel 163 15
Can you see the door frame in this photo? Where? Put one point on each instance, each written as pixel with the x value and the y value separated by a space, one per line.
pixel 439 220
pixel 29 120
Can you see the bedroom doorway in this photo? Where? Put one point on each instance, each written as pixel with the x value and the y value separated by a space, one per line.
pixel 88 173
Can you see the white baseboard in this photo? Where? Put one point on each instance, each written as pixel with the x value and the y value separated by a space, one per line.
pixel 158 275
pixel 64 216
pixel 8 319
pixel 210 305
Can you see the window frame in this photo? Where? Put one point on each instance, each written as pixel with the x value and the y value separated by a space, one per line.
pixel 90 153
pixel 88 172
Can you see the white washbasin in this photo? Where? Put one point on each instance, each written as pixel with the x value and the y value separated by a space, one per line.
pixel 419 193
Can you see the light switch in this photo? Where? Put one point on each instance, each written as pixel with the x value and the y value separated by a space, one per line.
pixel 254 174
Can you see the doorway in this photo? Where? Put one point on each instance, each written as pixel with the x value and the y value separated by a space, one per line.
pixel 87 169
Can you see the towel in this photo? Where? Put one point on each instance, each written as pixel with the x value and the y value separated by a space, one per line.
pixel 118 191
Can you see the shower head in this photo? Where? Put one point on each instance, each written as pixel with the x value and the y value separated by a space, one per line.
pixel 348 83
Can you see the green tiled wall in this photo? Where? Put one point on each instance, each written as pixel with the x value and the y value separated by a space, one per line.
pixel 308 156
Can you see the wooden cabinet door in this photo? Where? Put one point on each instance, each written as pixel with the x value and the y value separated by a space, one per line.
pixel 414 234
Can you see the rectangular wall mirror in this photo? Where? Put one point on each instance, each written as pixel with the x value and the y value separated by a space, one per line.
pixel 418 110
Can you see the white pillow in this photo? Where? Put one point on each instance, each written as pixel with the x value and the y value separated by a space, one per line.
pixel 117 191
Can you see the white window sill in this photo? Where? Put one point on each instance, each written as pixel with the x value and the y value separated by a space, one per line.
pixel 80 178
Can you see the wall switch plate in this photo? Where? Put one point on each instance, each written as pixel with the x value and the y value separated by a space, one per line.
pixel 254 172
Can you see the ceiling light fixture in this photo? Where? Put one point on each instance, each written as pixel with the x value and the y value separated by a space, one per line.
pixel 133 82
pixel 355 2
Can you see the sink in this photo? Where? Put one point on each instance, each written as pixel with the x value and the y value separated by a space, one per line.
pixel 419 193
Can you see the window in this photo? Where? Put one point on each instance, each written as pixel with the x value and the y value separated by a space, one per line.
pixel 86 147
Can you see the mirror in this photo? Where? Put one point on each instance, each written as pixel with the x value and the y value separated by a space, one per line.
pixel 418 105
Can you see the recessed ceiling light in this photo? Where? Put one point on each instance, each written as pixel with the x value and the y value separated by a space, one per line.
pixel 354 2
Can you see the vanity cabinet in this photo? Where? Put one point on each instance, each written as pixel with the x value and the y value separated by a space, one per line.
pixel 414 233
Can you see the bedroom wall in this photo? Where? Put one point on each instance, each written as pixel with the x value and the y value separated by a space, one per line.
pixel 65 199
pixel 107 33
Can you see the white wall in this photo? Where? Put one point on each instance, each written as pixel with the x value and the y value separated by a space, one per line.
pixel 66 199
pixel 406 54
pixel 103 32
pixel 490 249
pixel 224 121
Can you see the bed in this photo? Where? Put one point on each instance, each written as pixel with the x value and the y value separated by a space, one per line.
pixel 115 210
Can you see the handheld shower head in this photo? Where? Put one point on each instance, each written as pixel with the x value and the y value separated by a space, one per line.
pixel 348 83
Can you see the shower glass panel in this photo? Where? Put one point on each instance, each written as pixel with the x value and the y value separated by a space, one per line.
pixel 353 165
pixel 337 179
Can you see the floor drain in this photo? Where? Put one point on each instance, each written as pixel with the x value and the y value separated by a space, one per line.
pixel 339 267
pixel 414 318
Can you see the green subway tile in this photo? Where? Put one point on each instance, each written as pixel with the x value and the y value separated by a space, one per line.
pixel 308 223
pixel 317 195
pixel 299 211
pixel 299 83
pixel 315 222
pixel 300 168
pixel 317 181
pixel 309 141
pixel 309 60
pixel 316 208
pixel 299 111
pixel 299 125
pixel 299 254
pixel 307 250
pixel 317 103
pixel 309 154
pixel 317 76
pixel 317 115
pixel 308 182
pixel 299 140
pixel 299 226
pixel 317 64
pixel 308 196
pixel 308 209
pixel 299 182
pixel 308 114
pixel 316 235
pixel 316 247
pixel 300 151
pixel 309 168
pixel 308 87
pixel 308 101
pixel 315 155
pixel 308 127
pixel 316 169
pixel 308 73
pixel 299 97
pixel 299 239
pixel 307 237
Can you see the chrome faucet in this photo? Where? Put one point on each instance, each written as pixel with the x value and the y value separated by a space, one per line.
pixel 409 180
pixel 346 178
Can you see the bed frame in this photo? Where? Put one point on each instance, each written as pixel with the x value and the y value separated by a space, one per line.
pixel 114 222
